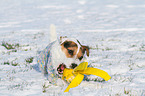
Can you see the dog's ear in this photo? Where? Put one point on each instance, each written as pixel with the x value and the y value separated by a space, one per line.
pixel 86 48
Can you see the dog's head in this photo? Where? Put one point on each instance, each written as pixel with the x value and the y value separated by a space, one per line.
pixel 73 48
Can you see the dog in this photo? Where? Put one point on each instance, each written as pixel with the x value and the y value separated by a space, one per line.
pixel 59 54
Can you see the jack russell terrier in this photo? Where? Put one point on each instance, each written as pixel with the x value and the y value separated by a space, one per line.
pixel 59 54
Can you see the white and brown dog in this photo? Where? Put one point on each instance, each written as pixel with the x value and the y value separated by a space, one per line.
pixel 59 54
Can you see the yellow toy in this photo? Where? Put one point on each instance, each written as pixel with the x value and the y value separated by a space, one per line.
pixel 76 76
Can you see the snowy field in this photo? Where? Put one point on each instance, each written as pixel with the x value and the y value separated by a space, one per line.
pixel 114 30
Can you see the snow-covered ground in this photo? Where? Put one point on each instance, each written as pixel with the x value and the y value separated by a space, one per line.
pixel 114 29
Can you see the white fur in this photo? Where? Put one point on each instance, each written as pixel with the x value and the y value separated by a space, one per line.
pixel 58 57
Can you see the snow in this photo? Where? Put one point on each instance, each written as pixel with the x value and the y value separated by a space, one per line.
pixel 114 30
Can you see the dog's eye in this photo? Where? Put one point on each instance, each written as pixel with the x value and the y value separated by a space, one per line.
pixel 70 52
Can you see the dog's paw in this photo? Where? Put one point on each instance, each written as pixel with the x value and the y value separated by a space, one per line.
pixel 73 65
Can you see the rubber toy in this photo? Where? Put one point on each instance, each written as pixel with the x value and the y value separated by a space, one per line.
pixel 76 76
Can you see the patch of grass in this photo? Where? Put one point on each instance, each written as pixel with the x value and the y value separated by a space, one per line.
pixel 107 48
pixel 10 63
pixel 14 47
pixel 6 63
pixel 19 86
pixel 142 48
pixel 133 46
pixel 14 64
pixel 99 48
pixel 9 46
pixel 45 87
pixel 26 50
pixel 126 91
pixel 122 78
pixel 29 60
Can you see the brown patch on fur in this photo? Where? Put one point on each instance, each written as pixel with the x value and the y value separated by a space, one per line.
pixel 69 48
pixel 82 51
pixel 86 48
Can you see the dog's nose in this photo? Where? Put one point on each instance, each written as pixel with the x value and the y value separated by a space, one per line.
pixel 81 58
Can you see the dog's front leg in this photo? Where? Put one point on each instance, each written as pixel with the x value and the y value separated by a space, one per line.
pixel 73 65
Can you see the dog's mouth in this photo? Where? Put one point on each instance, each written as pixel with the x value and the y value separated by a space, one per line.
pixel 60 68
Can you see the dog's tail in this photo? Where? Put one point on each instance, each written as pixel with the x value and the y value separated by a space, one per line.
pixel 53 35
